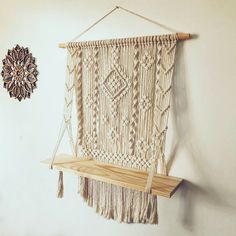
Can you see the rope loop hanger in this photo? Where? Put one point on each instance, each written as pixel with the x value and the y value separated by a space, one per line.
pixel 180 36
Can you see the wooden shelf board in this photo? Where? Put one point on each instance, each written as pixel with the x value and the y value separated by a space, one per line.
pixel 162 185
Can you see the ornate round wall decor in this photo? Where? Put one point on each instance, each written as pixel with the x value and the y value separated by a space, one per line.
pixel 19 72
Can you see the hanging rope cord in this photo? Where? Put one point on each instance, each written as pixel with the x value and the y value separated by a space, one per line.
pixel 131 12
pixel 70 82
pixel 66 122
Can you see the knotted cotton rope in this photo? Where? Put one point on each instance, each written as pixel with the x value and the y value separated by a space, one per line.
pixel 66 122
pixel 123 99
pixel 122 91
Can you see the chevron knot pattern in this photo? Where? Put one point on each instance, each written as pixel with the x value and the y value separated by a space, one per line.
pixel 123 89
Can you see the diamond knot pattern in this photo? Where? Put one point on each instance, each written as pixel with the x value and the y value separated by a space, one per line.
pixel 105 119
pixel 89 100
pixel 113 135
pixel 88 138
pixel 145 103
pixel 88 62
pixel 142 145
pixel 125 121
pixel 115 84
pixel 147 61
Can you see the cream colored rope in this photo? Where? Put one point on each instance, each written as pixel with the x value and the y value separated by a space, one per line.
pixel 124 117
pixel 129 11
pixel 66 122
pixel 123 100
pixel 163 105
pixel 95 23
pixel 148 19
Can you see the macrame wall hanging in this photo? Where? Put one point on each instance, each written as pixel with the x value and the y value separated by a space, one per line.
pixel 122 89
pixel 19 73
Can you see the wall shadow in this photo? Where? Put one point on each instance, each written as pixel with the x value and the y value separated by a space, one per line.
pixel 184 139
pixel 179 104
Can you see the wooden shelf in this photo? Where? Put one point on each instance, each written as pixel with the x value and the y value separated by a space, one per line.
pixel 162 185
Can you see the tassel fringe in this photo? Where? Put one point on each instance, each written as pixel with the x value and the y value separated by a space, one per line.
pixel 118 203
pixel 60 191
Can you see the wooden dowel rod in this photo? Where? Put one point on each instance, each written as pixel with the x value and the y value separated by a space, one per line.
pixel 62 45
pixel 180 36
pixel 183 36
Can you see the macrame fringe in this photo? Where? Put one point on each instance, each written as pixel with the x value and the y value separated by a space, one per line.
pixel 118 203
pixel 60 191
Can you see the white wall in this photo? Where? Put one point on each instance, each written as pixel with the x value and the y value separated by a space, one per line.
pixel 203 118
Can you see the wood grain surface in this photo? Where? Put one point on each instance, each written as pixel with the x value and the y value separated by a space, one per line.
pixel 130 178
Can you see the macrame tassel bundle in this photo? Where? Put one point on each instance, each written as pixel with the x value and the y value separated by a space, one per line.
pixel 121 204
pixel 60 191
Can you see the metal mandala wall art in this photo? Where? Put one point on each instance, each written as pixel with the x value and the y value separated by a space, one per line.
pixel 19 73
